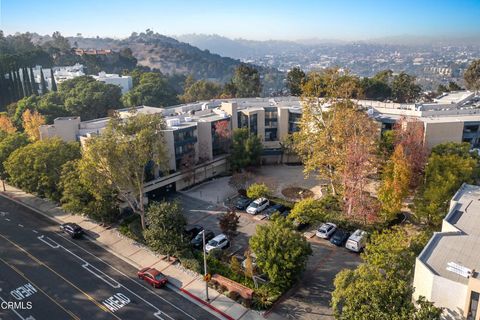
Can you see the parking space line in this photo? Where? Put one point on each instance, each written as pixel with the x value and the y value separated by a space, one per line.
pixel 89 297
pixel 39 289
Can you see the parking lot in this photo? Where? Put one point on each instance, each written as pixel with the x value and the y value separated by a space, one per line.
pixel 310 298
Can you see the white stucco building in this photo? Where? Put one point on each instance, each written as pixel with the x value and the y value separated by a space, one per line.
pixel 446 271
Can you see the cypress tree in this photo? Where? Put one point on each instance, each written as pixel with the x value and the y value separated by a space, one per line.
pixel 11 88
pixel 54 84
pixel 43 83
pixel 27 85
pixel 33 83
pixel 3 89
pixel 18 86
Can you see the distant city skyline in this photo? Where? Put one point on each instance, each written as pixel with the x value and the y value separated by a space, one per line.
pixel 256 20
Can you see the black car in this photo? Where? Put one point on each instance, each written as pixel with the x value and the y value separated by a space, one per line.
pixel 275 208
pixel 197 242
pixel 192 231
pixel 72 229
pixel 339 237
pixel 242 203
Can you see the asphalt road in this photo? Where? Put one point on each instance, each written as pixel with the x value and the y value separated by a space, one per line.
pixel 50 276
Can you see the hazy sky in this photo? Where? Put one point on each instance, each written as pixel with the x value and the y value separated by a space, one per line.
pixel 260 19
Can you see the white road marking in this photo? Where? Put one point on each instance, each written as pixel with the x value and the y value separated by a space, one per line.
pixel 49 242
pixel 23 292
pixel 158 314
pixel 101 275
pixel 20 225
pixel 7 219
pixel 116 302
pixel 34 231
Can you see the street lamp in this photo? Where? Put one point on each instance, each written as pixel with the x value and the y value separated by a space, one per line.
pixel 205 266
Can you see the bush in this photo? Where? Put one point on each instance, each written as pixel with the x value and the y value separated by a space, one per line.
pixel 258 190
pixel 234 295
pixel 192 264
pixel 216 254
pixel 265 296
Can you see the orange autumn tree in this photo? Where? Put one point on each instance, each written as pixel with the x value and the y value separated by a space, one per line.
pixel 6 125
pixel 31 123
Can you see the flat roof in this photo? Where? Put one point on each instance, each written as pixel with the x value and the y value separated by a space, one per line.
pixel 461 242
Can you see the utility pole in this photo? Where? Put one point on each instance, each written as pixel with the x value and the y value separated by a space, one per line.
pixel 205 266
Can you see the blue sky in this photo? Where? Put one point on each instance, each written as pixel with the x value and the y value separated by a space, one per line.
pixel 250 19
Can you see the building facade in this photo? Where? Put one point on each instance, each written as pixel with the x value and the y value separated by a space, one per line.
pixel 446 271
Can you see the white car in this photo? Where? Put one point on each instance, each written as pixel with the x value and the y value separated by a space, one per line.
pixel 258 206
pixel 219 242
pixel 326 230
pixel 357 241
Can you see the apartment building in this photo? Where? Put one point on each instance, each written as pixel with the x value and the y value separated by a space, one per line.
pixel 446 271
pixel 194 130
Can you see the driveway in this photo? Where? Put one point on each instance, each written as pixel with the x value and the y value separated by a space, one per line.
pixel 206 214
pixel 310 298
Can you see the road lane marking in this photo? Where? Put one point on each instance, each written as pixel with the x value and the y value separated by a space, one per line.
pixel 49 242
pixel 34 231
pixel 7 219
pixel 38 289
pixel 135 282
pixel 20 225
pixel 116 302
pixel 158 314
pixel 89 297
pixel 23 292
pixel 101 275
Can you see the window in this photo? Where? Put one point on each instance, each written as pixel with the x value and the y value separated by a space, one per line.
pixel 472 312
pixel 242 120
pixel 271 134
pixel 271 117
pixel 293 122
pixel 253 124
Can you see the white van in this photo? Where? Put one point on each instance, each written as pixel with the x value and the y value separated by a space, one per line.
pixel 357 241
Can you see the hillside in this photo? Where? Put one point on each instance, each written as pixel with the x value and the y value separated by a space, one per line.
pixel 172 56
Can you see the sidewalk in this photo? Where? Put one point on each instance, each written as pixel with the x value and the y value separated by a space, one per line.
pixel 188 283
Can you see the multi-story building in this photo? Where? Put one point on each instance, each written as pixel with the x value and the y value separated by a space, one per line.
pixel 195 132
pixel 446 271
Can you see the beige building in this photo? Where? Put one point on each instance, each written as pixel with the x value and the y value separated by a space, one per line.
pixel 194 130
pixel 446 271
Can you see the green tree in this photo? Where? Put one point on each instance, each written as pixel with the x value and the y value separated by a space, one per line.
pixel 52 78
pixel 78 198
pixel 90 99
pixel 36 167
pixel 426 310
pixel 311 210
pixel 153 90
pixel 166 224
pixel 375 89
pixel 404 88
pixel 258 190
pixel 201 90
pixel 118 156
pixel 280 251
pixel 447 168
pixel 295 78
pixel 43 83
pixel 246 81
pixel 8 144
pixel 472 75
pixel 246 149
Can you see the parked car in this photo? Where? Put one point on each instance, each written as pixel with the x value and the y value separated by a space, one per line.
pixel 242 203
pixel 258 206
pixel 153 277
pixel 72 229
pixel 192 231
pixel 339 237
pixel 272 209
pixel 219 242
pixel 357 241
pixel 326 230
pixel 197 242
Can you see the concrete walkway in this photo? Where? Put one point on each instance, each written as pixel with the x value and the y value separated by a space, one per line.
pixel 188 283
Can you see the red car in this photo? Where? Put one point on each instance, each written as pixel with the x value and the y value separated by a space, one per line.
pixel 153 277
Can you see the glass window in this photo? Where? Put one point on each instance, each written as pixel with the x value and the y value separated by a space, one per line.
pixel 253 124
pixel 271 134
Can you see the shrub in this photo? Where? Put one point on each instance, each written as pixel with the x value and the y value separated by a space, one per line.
pixel 265 296
pixel 216 254
pixel 258 190
pixel 192 264
pixel 234 295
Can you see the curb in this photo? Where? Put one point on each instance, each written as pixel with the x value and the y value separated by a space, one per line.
pixel 189 296
pixel 206 304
